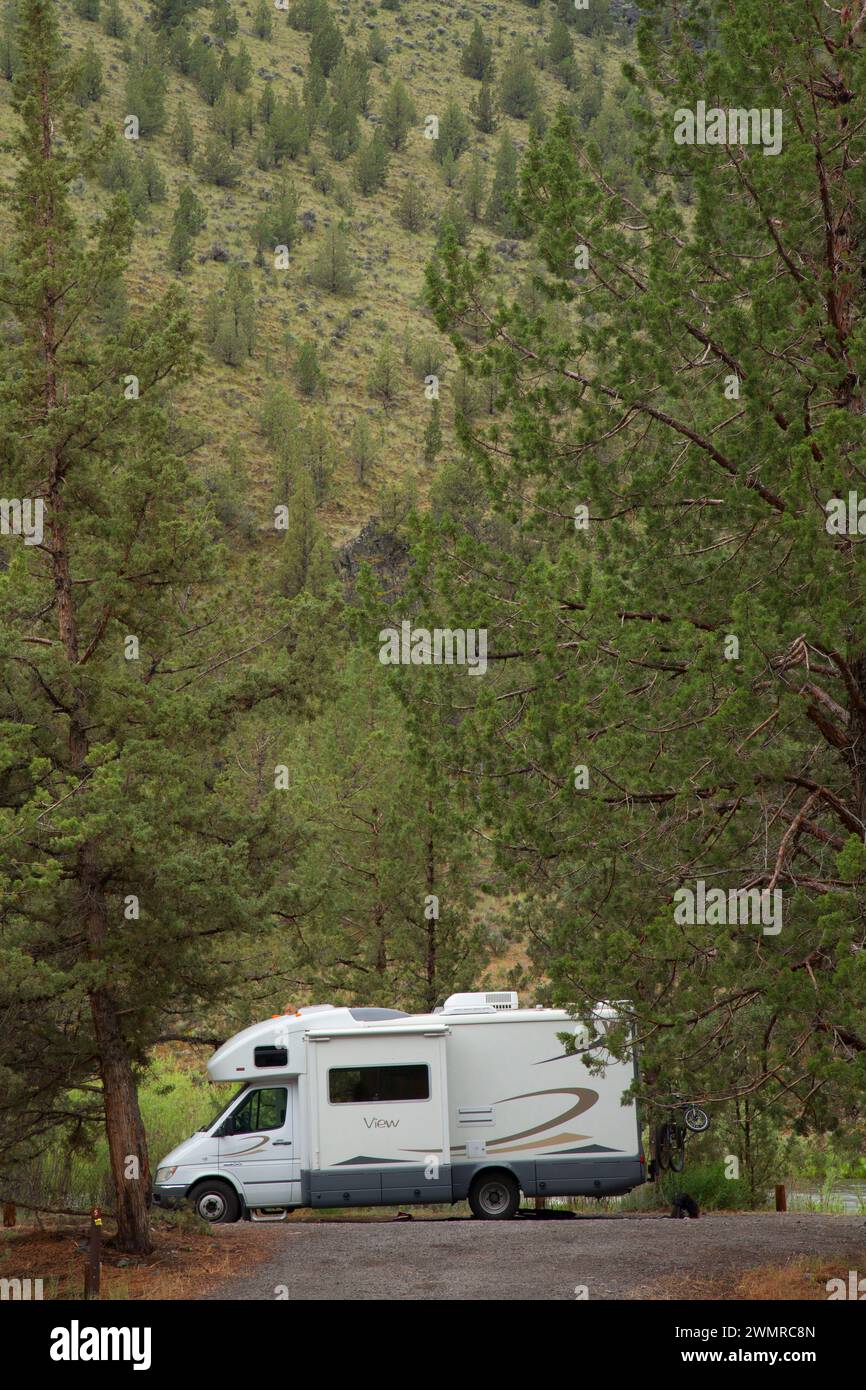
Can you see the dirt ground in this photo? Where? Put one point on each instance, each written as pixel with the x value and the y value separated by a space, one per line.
pixel 720 1256
pixel 188 1258
pixel 728 1256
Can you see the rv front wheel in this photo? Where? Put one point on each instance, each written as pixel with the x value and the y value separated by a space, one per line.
pixel 216 1202
pixel 494 1196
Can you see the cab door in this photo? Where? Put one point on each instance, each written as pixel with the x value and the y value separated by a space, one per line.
pixel 259 1145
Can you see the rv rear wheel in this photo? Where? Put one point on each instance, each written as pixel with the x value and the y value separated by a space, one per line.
pixel 216 1202
pixel 494 1196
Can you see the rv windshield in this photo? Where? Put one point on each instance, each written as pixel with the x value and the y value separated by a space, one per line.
pixel 219 1114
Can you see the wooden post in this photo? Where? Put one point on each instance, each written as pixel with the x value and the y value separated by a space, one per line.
pixel 540 1203
pixel 94 1254
pixel 8 1213
pixel 781 1197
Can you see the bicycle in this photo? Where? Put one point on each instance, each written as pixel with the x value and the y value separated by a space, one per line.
pixel 671 1135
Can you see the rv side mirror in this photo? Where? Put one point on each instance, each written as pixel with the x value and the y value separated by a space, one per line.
pixel 227 1127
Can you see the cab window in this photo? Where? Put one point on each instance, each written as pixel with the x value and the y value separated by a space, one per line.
pixel 265 1109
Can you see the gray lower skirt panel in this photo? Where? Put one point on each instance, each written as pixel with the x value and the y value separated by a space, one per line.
pixel 399 1185
pixel 391 1185
pixel 597 1177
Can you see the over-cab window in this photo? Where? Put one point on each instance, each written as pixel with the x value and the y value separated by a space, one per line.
pixel 271 1056
pixel 264 1109
pixel 357 1085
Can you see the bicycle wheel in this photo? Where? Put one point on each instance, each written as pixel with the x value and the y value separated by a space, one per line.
pixel 697 1120
pixel 664 1137
pixel 677 1148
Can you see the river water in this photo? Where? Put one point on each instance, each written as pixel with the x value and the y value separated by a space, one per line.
pixel 847 1196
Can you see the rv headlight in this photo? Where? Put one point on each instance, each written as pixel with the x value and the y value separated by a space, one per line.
pixel 163 1174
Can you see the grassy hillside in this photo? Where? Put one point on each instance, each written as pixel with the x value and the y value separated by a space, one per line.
pixel 419 44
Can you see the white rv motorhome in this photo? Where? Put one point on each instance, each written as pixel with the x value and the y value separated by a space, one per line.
pixel 356 1107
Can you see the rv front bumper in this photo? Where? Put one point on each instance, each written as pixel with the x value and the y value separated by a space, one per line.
pixel 169 1195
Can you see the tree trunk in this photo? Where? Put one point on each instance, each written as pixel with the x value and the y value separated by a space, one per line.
pixel 127 1144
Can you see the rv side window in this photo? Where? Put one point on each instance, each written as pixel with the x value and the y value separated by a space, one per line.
pixel 360 1085
pixel 264 1109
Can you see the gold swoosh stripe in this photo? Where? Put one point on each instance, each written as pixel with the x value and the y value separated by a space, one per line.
pixel 495 1145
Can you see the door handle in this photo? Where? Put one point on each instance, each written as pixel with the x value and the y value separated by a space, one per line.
pixel 287 1143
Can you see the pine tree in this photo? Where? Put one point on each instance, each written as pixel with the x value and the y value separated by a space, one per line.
pixel 341 129
pixel 722 762
pixel 475 189
pixel 452 221
pixel 309 376
pixel 501 213
pixel 476 60
pixel 226 119
pixel 384 875
pixel 350 80
pixel 303 15
pixel 88 85
pixel 412 207
pixel 183 136
pixel 315 93
pixel 383 379
pixel 121 171
pixel 453 134
pixel 113 21
pixel 596 18
pixel 332 267
pixel 115 833
pixel 320 456
pixel 167 15
pixel 398 113
pixel 190 211
pixel 206 71
pixel 450 170
pixel 267 103
pixel 361 448
pixel 180 51
pixel 372 165
pixel 179 247
pixel 230 318
pixel 289 129
pixel 277 223
pixel 377 47
pixel 154 180
pixel 224 21
pixel 560 53
pixel 326 43
pixel 305 562
pixel 8 45
pixel 263 20
pixel 518 89
pixel 238 68
pixel 433 434
pixel 483 111
pixel 215 164
pixel 146 86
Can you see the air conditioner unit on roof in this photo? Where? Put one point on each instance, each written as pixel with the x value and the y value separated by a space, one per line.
pixel 490 1001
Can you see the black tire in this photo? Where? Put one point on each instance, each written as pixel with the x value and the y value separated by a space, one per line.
pixel 216 1201
pixel 494 1196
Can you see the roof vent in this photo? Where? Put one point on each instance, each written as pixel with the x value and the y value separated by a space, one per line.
pixel 495 1001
